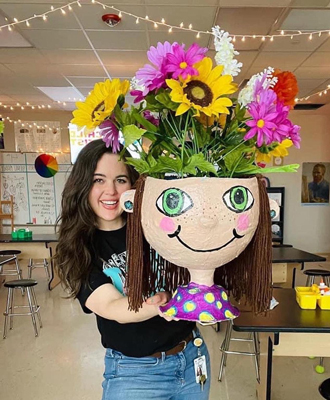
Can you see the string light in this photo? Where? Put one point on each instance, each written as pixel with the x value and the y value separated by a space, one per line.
pixel 32 106
pixel 170 27
pixel 319 93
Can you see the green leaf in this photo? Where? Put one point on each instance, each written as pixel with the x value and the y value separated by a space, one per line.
pixel 232 158
pixel 167 164
pixel 151 160
pixel 144 122
pixel 141 166
pixel 164 98
pixel 198 161
pixel 283 168
pixel 132 133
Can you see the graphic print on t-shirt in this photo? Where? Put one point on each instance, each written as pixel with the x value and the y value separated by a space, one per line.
pixel 115 269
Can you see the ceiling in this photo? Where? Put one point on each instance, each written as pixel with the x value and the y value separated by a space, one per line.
pixel 69 53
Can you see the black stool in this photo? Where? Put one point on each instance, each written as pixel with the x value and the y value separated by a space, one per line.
pixel 32 265
pixel 28 285
pixel 312 273
pixel 324 389
pixel 7 256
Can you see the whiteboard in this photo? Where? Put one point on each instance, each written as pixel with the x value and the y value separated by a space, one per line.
pixel 36 198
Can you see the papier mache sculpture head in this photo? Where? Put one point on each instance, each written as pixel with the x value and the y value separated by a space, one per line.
pixel 188 131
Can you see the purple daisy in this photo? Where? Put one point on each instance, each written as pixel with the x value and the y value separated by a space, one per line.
pixel 181 62
pixel 149 117
pixel 283 125
pixel 110 135
pixel 295 135
pixel 263 113
pixel 153 76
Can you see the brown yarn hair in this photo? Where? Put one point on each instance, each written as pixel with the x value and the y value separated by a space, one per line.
pixel 77 223
pixel 248 276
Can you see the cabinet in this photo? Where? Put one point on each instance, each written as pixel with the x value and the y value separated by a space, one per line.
pixel 278 194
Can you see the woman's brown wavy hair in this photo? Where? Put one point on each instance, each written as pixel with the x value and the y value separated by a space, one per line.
pixel 77 222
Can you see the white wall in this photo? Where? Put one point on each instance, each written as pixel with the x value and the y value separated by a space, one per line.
pixel 306 227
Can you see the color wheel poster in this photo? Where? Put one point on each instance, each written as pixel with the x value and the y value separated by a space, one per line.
pixel 46 165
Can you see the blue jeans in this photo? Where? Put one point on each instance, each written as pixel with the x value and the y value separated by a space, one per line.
pixel 150 378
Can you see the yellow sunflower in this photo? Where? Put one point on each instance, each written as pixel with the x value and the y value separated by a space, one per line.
pixel 99 104
pixel 202 92
pixel 279 151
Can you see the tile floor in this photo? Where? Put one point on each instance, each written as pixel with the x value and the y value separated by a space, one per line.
pixel 66 361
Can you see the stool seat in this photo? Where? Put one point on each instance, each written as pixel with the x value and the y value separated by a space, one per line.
pixel 324 389
pixel 9 252
pixel 20 283
pixel 317 272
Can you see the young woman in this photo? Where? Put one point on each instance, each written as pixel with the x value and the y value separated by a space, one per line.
pixel 147 356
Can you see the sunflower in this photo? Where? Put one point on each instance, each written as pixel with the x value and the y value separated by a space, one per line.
pixel 99 104
pixel 279 151
pixel 202 92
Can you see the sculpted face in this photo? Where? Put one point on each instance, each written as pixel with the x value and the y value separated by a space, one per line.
pixel 200 222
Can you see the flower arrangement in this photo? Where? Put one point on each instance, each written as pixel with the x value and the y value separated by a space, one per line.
pixel 187 119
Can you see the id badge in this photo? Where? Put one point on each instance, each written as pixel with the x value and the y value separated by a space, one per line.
pixel 200 368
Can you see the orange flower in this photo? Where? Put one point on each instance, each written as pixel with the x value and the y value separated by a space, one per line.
pixel 286 87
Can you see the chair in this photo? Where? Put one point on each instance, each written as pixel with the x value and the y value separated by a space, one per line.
pixel 312 273
pixel 224 348
pixel 324 389
pixel 32 265
pixel 7 211
pixel 28 285
pixel 7 256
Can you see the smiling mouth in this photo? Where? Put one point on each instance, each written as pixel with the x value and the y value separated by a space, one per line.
pixel 177 232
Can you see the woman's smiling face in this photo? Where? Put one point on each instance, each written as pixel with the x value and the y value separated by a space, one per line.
pixel 200 223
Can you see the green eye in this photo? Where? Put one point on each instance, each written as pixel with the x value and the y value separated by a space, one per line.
pixel 173 202
pixel 238 199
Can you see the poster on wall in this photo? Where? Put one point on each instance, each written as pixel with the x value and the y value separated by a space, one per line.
pixel 38 136
pixel 2 127
pixel 315 183
pixel 78 139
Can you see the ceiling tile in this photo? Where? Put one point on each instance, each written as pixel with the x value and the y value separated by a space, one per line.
pixel 180 37
pixel 307 20
pixel 318 59
pixel 239 21
pixel 11 38
pixel 103 40
pixel 57 39
pixel 79 70
pixel 184 2
pixel 312 72
pixel 70 56
pixel 26 56
pixel 123 57
pixel 281 60
pixel 86 82
pixel 254 3
pixel 122 70
pixel 309 3
pixel 325 46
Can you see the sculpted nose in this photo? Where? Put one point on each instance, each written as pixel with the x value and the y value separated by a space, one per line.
pixel 208 222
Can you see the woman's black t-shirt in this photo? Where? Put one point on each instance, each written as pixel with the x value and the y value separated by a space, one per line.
pixel 138 339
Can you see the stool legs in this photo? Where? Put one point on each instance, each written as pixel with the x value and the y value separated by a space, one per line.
pixel 32 265
pixel 225 349
pixel 32 305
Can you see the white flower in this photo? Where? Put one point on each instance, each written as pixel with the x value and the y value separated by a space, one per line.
pixel 136 84
pixel 247 94
pixel 225 52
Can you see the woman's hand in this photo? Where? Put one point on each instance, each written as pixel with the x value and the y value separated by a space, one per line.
pixel 160 299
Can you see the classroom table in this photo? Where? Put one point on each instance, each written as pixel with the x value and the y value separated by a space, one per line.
pixel 50 241
pixel 293 255
pixel 286 331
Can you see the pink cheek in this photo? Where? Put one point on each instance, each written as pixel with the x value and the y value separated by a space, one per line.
pixel 167 225
pixel 243 222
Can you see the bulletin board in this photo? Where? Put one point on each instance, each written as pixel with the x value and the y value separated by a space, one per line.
pixel 36 198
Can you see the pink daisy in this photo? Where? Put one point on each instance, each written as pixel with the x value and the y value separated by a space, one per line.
pixel 263 113
pixel 181 62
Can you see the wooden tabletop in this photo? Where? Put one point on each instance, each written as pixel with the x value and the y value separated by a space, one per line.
pixel 293 255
